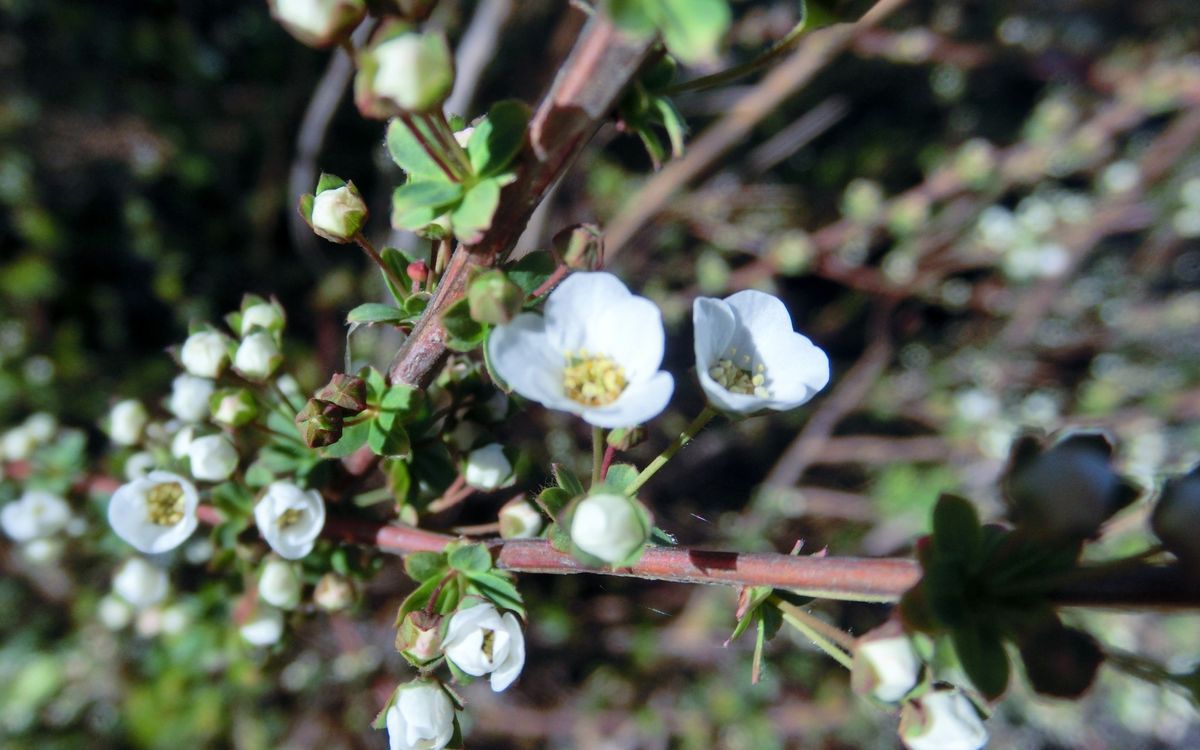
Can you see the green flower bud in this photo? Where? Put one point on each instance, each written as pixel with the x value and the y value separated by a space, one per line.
pixel 403 72
pixel 233 407
pixel 493 299
pixel 318 23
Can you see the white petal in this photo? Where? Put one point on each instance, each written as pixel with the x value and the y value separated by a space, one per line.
pixel 759 311
pixel 796 371
pixel 640 402
pixel 523 357
pixel 127 514
pixel 578 303
pixel 630 331
pixel 714 325
pixel 508 670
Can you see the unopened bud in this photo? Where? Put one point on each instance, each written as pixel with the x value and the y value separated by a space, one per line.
pixel 886 665
pixel 581 247
pixel 1176 518
pixel 336 212
pixel 418 271
pixel 419 639
pixel 318 23
pixel 492 298
pixel 320 423
pixel 624 438
pixel 406 71
pixel 233 407
pixel 519 520
pixel 333 592
pixel 609 526
pixel 347 392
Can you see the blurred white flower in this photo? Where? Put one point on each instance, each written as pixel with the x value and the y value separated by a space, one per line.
pixel 189 397
pixel 205 354
pixel 41 426
pixel 141 583
pixel 212 458
pixel 279 584
pixel 261 315
pixel 519 520
pixel 595 353
pixel 155 513
pixel 181 442
pixel 126 421
pixel 257 356
pixel 113 612
pixel 885 664
pixel 264 628
pixel 479 640
pixel 43 550
pixel 17 444
pixel 139 465
pixel 34 515
pixel 333 592
pixel 608 526
pixel 290 519
pixel 421 717
pixel 488 468
pixel 748 357
pixel 414 71
pixel 942 720
pixel 318 23
pixel 174 619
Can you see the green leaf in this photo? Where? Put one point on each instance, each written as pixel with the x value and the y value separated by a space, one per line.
pixel 397 262
pixel 373 312
pixel 410 155
pixel 620 476
pixel 400 403
pixel 432 464
pixel 567 480
pixel 983 658
pixel 673 122
pixel 390 440
pixel 498 138
pixel 692 29
pixel 956 530
pixel 463 333
pixel 632 16
pixel 353 438
pixel 422 566
pixel 400 480
pixel 472 559
pixel 495 587
pixel 416 204
pixel 552 500
pixel 418 598
pixel 232 499
pixel 473 215
pixel 492 298
pixel 531 271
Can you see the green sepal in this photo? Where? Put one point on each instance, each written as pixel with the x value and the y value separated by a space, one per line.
pixel 329 182
pixel 552 500
pixel 566 479
pixel 619 477
pixel 463 333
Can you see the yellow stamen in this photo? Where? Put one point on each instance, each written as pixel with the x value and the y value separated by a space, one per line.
pixel 489 642
pixel 164 504
pixel 289 517
pixel 740 379
pixel 592 380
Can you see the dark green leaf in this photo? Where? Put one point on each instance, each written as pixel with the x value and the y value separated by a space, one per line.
pixel 388 441
pixel 463 333
pixel 373 312
pixel 982 655
pixel 472 559
pixel 956 530
pixel 422 566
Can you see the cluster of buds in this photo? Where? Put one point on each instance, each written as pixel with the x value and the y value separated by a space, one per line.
pixel 322 418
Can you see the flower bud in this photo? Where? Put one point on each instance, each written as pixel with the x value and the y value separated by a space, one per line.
pixel 140 583
pixel 279 584
pixel 139 465
pixel 264 315
pixel 609 526
pixel 338 213
pixel 35 515
pixel 126 422
pixel 41 426
pixel 581 247
pixel 347 392
pixel 519 520
pixel 180 443
pixel 333 592
pixel 205 354
pixel 264 628
pixel 257 356
pixel 418 271
pixel 318 23
pixel 492 298
pixel 1176 518
pixel 419 639
pixel 233 407
pixel 213 458
pixel 409 71
pixel 189 397
pixel 625 438
pixel 174 619
pixel 320 423
pixel 942 720
pixel 886 665
pixel 113 612
pixel 18 444
pixel 488 468
pixel 420 717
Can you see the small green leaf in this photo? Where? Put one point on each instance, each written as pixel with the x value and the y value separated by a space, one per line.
pixel 400 403
pixel 692 29
pixel 497 139
pixel 397 262
pixel 531 271
pixel 499 590
pixel 421 566
pixel 415 305
pixel 567 480
pixel 388 440
pixel 410 155
pixel 416 204
pixel 472 559
pixel 673 122
pixel 631 16
pixel 463 333
pixel 418 598
pixel 620 476
pixel 983 658
pixel 373 312
pixel 956 530
pixel 552 500
pixel 353 437
pixel 400 480
pixel 473 215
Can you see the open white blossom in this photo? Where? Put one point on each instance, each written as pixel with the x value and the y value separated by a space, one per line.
pixel 421 717
pixel 264 628
pixel 479 640
pixel 205 354
pixel 42 551
pixel 155 513
pixel 748 357
pixel 279 584
pixel 189 397
pixel 942 720
pixel 34 515
pixel 290 519
pixel 141 583
pixel 596 353
pixel 126 421
pixel 488 468
pixel 257 356
pixel 212 458
pixel 608 526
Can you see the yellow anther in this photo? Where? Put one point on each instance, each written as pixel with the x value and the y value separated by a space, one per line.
pixel 289 517
pixel 592 380
pixel 739 380
pixel 164 504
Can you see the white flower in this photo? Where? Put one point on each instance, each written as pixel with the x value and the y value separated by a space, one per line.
pixel 608 526
pixel 519 520
pixel 333 592
pixel 235 408
pixel 41 426
pixel 174 619
pixel 265 628
pixel 113 612
pixel 181 443
pixel 413 71
pixel 421 717
pixel 204 354
pixel 126 421
pixel 942 720
pixel 34 515
pixel 18 444
pixel 290 519
pixel 189 397
pixel 42 551
pixel 155 513
pixel 139 465
pixel 479 640
pixel 212 458
pixel 257 356
pixel 488 468
pixel 279 584
pixel 317 23
pixel 141 583
pixel 749 358
pixel 595 353
pixel 261 315
pixel 886 666
pixel 338 213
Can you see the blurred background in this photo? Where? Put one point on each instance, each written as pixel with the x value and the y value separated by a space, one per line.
pixel 987 213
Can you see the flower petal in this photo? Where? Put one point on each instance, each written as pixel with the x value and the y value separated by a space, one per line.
pixel 577 304
pixel 508 670
pixel 527 361
pixel 640 402
pixel 796 370
pixel 714 324
pixel 631 332
pixel 758 311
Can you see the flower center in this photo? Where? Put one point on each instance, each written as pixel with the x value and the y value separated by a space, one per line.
pixel 489 642
pixel 734 375
pixel 290 517
pixel 592 380
pixel 164 504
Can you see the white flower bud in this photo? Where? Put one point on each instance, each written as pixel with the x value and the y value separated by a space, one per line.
pixel 488 468
pixel 290 519
pixel 279 584
pixel 36 514
pixel 18 444
pixel 608 526
pixel 204 354
pixel 113 612
pixel 235 408
pixel 413 71
pixel 155 513
pixel 41 426
pixel 318 23
pixel 886 665
pixel 421 717
pixel 149 622
pixel 182 441
pixel 42 551
pixel 212 458
pixel 338 213
pixel 174 619
pixel 189 397
pixel 519 520
pixel 126 422
pixel 257 356
pixel 139 465
pixel 262 315
pixel 479 640
pixel 141 583
pixel 942 720
pixel 333 592
pixel 264 629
